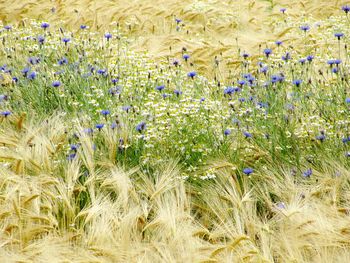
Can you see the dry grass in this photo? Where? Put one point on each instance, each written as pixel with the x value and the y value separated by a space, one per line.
pixel 52 212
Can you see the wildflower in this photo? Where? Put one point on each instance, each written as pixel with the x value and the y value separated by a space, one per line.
pixel 63 61
pixel 264 69
pixel 33 60
pixel 302 61
pixel 278 42
pixel 178 21
pixel 335 70
pixel 99 126
pixel 8 27
pixel 5 113
pixel 83 27
pixel 108 36
pixel 186 57
pixel 177 92
pixel 141 126
pixel 247 134
pixel 32 75
pixel 114 125
pixel 71 156
pixel 45 25
pixel 283 10
pixel 248 171
pixel 267 52
pixel 105 112
pixel 25 71
pixel 286 57
pixel 126 108
pixel 337 61
pixel 281 205
pixel 297 82
pixel 241 82
pixel 88 130
pixel 346 9
pixel 192 74
pixel 41 40
pixel 160 88
pixel 66 40
pixel 305 28
pixel 245 55
pixel 176 63
pixel 227 132
pixel 339 35
pixel 321 137
pixel 56 84
pixel 102 72
pixel 347 100
pixel 115 80
pixel 307 173
pixel 310 58
pixel 346 139
pixel 3 97
pixel 229 91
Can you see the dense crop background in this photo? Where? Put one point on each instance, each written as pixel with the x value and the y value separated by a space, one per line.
pixel 109 153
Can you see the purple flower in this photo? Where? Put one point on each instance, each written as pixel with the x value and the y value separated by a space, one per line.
pixel 310 58
pixel 347 100
pixel 63 61
pixel 108 36
pixel 32 75
pixel 115 80
pixel 66 40
pixel 245 55
pixel 83 27
pixel 160 88
pixel 5 113
pixel 339 35
pixel 302 61
pixel 247 134
pixel 71 156
pixel 307 173
pixel 105 112
pixel 177 92
pixel 45 25
pixel 99 126
pixel 126 108
pixel 178 21
pixel 8 27
pixel 227 132
pixel 267 52
pixel 321 137
pixel 141 126
pixel 248 171
pixel 192 74
pixel 34 60
pixel 286 57
pixel 297 82
pixel 283 10
pixel 278 42
pixel 56 84
pixel 41 39
pixel 346 9
pixel 186 57
pixel 305 28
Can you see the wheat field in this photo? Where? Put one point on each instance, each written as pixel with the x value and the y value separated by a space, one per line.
pixel 174 131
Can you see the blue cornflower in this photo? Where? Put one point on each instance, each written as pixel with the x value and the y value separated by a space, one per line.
pixel 105 112
pixel 302 61
pixel 41 39
pixel 286 57
pixel 241 82
pixel 99 126
pixel 160 88
pixel 66 40
pixel 63 61
pixel 229 91
pixel 283 10
pixel 115 80
pixel 245 55
pixel 108 36
pixel 278 42
pixel 305 28
pixel 74 147
pixel 310 58
pixel 264 69
pixel 297 82
pixel 202 99
pixel 248 171
pixel 347 100
pixel 34 60
pixel 3 97
pixel 71 156
pixel 267 52
pixel 186 57
pixel 247 134
pixel 346 139
pixel 339 35
pixel 32 75
pixel 331 62
pixel 141 126
pixel 227 132
pixel 25 71
pixel 8 27
pixel 102 72
pixel 56 84
pixel 241 99
pixel 178 21
pixel 276 78
pixel 192 74
pixel 335 70
pixel 346 9
pixel 177 92
pixel 83 27
pixel 176 62
pixel 307 173
pixel 126 108
pixel 337 61
pixel 88 130
pixel 5 113
pixel 45 25
pixel 321 137
pixel 114 125
pixel 165 95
